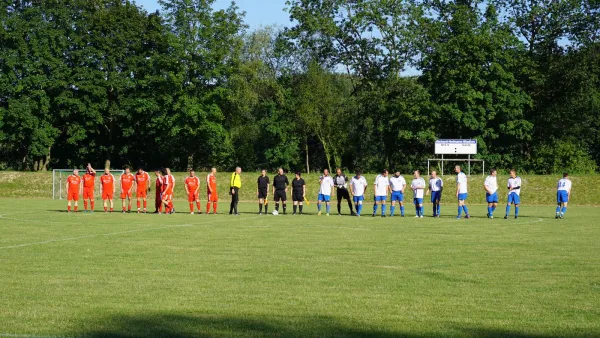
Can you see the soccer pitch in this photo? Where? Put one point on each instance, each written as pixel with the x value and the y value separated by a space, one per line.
pixel 129 275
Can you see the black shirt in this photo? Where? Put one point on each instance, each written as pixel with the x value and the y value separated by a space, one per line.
pixel 263 182
pixel 280 182
pixel 297 184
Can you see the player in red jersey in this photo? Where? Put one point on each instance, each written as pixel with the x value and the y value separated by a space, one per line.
pixel 158 191
pixel 89 179
pixel 73 188
pixel 107 182
pixel 142 180
pixel 211 190
pixel 192 188
pixel 168 189
pixel 127 182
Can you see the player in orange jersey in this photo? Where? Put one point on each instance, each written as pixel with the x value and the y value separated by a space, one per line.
pixel 142 180
pixel 192 188
pixel 127 182
pixel 89 179
pixel 158 191
pixel 73 188
pixel 211 191
pixel 107 182
pixel 169 188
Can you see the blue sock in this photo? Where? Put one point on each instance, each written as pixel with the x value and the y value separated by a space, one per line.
pixel 375 208
pixel 459 210
pixel 564 209
pixel 392 209
pixel 516 211
pixel 558 209
pixel 422 211
pixel 319 206
pixel 359 209
pixel 465 209
pixel 402 210
pixel 328 207
pixel 383 209
pixel 508 209
pixel 489 211
pixel 493 209
pixel 439 209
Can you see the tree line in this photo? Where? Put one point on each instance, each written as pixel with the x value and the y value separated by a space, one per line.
pixel 355 84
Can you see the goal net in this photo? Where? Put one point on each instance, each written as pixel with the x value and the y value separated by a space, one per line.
pixel 59 181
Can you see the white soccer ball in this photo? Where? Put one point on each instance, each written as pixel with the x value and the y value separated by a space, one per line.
pixel 275 212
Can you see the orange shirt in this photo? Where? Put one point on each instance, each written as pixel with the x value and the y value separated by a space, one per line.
pixel 107 182
pixel 88 181
pixel 168 183
pixel 74 182
pixel 192 183
pixel 159 184
pixel 212 184
pixel 142 180
pixel 127 181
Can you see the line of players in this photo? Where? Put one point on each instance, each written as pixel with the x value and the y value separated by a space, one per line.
pixel 383 185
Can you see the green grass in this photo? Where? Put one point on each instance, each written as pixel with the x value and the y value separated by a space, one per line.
pixel 537 189
pixel 265 276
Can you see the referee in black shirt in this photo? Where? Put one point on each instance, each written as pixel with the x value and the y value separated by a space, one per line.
pixel 298 192
pixel 262 191
pixel 280 183
pixel 341 182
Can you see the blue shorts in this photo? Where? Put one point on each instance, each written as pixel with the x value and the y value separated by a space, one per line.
pixel 324 198
pixel 418 201
pixel 397 196
pixel 562 196
pixel 380 198
pixel 462 197
pixel 514 199
pixel 436 196
pixel 357 199
pixel 491 198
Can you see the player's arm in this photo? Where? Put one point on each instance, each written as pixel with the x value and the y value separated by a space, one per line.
pixel 304 190
pixel 287 182
pixel 187 189
pixel 487 189
pixel 332 188
pixel 269 184
pixel 91 169
pixel 457 188
pixel 67 186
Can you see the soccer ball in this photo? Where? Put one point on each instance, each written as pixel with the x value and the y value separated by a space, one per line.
pixel 275 212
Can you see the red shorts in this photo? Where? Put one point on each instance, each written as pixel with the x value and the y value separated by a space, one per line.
pixel 88 193
pixel 142 193
pixel 213 197
pixel 73 196
pixel 107 195
pixel 193 196
pixel 125 195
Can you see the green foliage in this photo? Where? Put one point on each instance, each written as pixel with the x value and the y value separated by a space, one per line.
pixel 557 156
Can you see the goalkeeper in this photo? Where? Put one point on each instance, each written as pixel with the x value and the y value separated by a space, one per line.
pixel 341 182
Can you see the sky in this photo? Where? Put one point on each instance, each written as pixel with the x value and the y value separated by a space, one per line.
pixel 258 12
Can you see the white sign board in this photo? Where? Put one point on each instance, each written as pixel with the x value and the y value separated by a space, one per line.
pixel 459 147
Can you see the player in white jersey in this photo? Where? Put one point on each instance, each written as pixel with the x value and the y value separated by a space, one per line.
pixel 436 186
pixel 381 188
pixel 461 192
pixel 325 191
pixel 397 184
pixel 491 192
pixel 418 186
pixel 358 185
pixel 514 193
pixel 563 195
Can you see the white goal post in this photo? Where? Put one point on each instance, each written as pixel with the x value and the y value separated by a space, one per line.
pixel 59 180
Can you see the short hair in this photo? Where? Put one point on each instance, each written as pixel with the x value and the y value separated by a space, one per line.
pixel 457 167
pixel 192 169
pixel 513 170
pixel 565 174
pixel 238 168
pixel 418 171
pixel 384 171
pixel 338 168
pixel 359 172
pixel 263 170
pixel 127 167
pixel 493 170
pixel 298 173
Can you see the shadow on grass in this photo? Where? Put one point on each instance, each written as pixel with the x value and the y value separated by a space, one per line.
pixel 184 326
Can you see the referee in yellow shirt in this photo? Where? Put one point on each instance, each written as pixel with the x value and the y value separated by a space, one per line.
pixel 235 183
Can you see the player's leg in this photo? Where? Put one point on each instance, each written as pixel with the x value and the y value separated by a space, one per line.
pixel 191 202
pixel 284 201
pixel 261 201
pixel 294 206
pixel 145 202
pixel 277 199
pixel 320 198
pixel 69 199
pixel 375 205
pixel 460 207
pixel 563 209
pixel 339 201
pixel 393 206
pixel 300 206
pixel 383 207
pixel 112 204
pixel 138 202
pixel 129 202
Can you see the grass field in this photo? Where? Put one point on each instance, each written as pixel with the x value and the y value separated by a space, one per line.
pixel 129 275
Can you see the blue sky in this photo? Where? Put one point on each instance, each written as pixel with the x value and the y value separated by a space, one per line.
pixel 258 12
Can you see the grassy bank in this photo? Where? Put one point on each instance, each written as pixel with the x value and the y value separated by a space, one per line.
pixel 537 189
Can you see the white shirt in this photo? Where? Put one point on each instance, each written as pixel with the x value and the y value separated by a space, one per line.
pixel 359 185
pixel 513 183
pixel 381 185
pixel 418 182
pixel 461 179
pixel 564 184
pixel 326 185
pixel 491 182
pixel 436 184
pixel 397 183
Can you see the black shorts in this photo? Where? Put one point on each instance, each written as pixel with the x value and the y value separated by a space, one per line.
pixel 262 193
pixel 297 197
pixel 343 194
pixel 279 195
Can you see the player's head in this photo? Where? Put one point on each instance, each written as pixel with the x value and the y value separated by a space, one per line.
pixel 238 170
pixel 263 172
pixel 493 171
pixel 157 172
pixel 298 174
pixel 434 174
pixel 168 171
pixel 513 173
pixel 358 173
pixel 338 171
pixel 416 173
pixel 384 173
pixel 280 171
pixel 213 170
pixel 326 172
pixel 127 170
pixel 192 173
pixel 565 175
pixel 457 169
pixel 75 171
pixel 106 171
pixel 397 173
pixel 140 170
